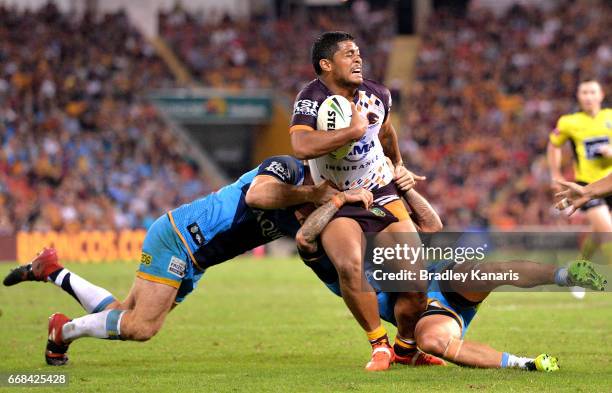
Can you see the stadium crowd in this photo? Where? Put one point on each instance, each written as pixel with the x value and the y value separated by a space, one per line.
pixel 269 52
pixel 488 91
pixel 79 148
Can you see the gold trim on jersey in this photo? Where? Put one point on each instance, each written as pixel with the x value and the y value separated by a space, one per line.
pixel 300 127
pixel 183 241
pixel 398 209
pixel 160 280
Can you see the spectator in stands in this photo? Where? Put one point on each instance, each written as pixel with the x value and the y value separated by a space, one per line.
pixel 79 149
pixel 488 91
pixel 266 53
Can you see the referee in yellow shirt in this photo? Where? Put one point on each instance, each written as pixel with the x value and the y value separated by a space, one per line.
pixel 590 134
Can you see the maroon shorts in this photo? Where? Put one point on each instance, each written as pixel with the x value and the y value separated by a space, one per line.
pixel 388 207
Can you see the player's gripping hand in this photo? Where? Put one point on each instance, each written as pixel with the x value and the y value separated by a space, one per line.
pixel 359 195
pixel 570 194
pixel 406 179
pixel 359 124
pixel 323 193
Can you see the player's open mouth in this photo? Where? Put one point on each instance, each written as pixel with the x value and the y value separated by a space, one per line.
pixel 356 71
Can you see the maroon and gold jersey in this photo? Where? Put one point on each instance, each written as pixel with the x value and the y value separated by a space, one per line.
pixel 365 164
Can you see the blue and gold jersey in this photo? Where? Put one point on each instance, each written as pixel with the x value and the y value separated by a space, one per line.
pixel 220 226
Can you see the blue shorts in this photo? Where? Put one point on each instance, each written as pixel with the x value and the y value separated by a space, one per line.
pixel 165 259
pixel 451 304
pixel 438 302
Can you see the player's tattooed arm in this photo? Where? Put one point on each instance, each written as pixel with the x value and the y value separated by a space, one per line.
pixel 306 237
pixel 424 216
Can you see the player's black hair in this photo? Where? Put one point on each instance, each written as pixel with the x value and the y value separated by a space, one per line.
pixel 326 45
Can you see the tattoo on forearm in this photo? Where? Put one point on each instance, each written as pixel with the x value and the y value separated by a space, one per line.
pixel 316 222
pixel 424 213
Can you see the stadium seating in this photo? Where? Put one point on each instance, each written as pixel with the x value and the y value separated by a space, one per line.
pixel 489 89
pixel 79 149
pixel 264 52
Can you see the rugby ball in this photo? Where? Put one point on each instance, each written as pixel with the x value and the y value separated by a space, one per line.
pixel 334 114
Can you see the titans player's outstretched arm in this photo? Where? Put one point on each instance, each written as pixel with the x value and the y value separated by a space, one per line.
pixel 279 183
pixel 424 216
pixel 575 195
pixel 268 192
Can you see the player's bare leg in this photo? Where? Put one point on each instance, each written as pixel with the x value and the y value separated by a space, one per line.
pixel 342 240
pixel 408 305
pixel 528 274
pixel 151 303
pixel 440 335
pixel 599 217
pixel 45 267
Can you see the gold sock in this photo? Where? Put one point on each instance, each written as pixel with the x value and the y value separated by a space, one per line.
pixel 404 346
pixel 378 335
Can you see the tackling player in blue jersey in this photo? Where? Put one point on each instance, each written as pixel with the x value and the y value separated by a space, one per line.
pixel 451 306
pixel 178 248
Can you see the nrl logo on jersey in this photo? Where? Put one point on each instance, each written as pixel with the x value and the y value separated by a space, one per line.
pixel 377 212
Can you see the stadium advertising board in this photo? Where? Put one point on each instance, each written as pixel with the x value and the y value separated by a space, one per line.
pixel 82 247
pixel 213 107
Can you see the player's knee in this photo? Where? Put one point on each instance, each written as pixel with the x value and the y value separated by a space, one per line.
pixel 410 305
pixel 432 343
pixel 140 330
pixel 147 331
pixel 349 273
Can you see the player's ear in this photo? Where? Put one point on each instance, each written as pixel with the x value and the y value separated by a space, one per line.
pixel 325 65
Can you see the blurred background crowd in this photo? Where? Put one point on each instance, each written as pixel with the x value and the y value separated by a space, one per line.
pixel 82 148
pixel 489 89
pixel 268 52
pixel 79 147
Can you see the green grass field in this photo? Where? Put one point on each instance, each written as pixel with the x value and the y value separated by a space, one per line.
pixel 270 325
